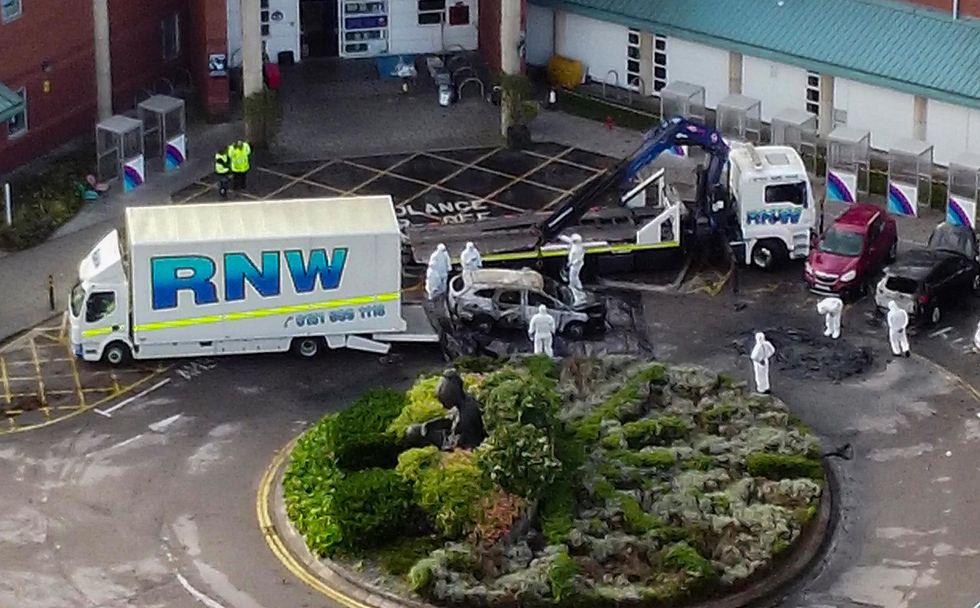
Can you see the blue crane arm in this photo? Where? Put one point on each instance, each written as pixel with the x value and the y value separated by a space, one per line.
pixel 674 132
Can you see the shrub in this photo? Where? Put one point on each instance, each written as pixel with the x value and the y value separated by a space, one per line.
pixel 477 364
pixel 497 514
pixel 783 466
pixel 557 512
pixel 352 512
pixel 452 493
pixel 712 419
pixel 658 458
pixel 541 367
pixel 414 462
pixel 422 405
pixel 399 557
pixel 561 575
pixel 621 405
pixel 512 397
pixel 698 462
pixel 358 437
pixel 308 485
pixel 635 519
pixel 521 458
pixel 655 431
pixel 682 557
pixel 420 577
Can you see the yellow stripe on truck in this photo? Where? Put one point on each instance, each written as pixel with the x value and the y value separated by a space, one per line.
pixel 91 333
pixel 267 312
pixel 554 253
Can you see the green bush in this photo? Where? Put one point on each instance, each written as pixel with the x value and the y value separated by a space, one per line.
pixel 557 512
pixel 359 438
pixel 366 510
pixel 513 397
pixel 698 462
pixel 658 430
pixel 622 405
pixel 635 519
pixel 658 458
pixel 451 493
pixel 783 466
pixel 682 557
pixel 399 557
pixel 521 458
pixel 420 577
pixel 561 575
pixel 308 485
pixel 413 463
pixel 713 418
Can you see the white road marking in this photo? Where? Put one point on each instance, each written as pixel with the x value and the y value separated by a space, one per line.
pixel 116 446
pixel 162 424
pixel 958 340
pixel 108 413
pixel 941 332
pixel 210 603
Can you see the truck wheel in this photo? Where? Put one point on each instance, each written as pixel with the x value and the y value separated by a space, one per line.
pixel 116 354
pixel 769 254
pixel 307 348
pixel 575 330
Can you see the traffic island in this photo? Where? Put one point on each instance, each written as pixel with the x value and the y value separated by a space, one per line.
pixel 603 482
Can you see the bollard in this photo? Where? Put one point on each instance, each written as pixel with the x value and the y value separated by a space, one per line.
pixel 51 291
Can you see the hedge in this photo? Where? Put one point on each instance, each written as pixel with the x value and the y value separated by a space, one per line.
pixel 783 466
pixel 359 437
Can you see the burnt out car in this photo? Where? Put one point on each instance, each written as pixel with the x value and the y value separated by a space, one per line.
pixel 926 282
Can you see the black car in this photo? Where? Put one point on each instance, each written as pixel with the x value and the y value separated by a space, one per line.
pixel 926 281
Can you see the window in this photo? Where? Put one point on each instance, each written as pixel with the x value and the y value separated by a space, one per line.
pixel 659 63
pixel 509 297
pixel 813 93
pixel 17 124
pixel 100 305
pixel 9 10
pixel 633 78
pixel 431 11
pixel 794 194
pixel 77 299
pixel 842 242
pixel 170 28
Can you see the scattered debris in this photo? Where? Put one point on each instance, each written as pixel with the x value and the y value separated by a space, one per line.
pixel 803 354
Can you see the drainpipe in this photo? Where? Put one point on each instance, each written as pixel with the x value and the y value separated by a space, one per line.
pixel 103 58
pixel 251 48
pixel 956 9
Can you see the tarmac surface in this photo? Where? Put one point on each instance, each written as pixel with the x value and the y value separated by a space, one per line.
pixel 154 505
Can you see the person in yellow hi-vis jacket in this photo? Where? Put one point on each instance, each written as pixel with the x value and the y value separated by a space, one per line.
pixel 240 155
pixel 222 168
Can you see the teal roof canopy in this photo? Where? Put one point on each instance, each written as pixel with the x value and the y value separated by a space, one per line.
pixel 10 103
pixel 904 47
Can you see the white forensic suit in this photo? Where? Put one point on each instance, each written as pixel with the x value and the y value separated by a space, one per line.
pixel 831 308
pixel 437 272
pixel 898 322
pixel 576 261
pixel 976 338
pixel 761 353
pixel 470 259
pixel 541 331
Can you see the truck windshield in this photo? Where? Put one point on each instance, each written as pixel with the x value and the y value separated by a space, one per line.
pixel 795 193
pixel 77 299
pixel 841 242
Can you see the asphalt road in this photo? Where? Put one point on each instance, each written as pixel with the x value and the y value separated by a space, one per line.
pixel 156 505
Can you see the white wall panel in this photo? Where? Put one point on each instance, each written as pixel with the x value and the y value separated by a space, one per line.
pixel 888 114
pixel 699 64
pixel 777 85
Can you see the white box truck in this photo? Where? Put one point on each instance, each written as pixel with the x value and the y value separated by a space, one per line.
pixel 245 277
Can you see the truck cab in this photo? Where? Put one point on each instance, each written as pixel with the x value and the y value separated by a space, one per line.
pixel 773 200
pixel 98 312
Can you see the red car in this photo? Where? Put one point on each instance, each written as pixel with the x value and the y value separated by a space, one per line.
pixel 851 252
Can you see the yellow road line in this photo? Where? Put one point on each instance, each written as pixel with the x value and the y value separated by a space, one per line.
pixel 63 332
pixel 115 382
pixel 78 382
pixel 37 372
pixel 276 544
pixel 3 377
pixel 952 376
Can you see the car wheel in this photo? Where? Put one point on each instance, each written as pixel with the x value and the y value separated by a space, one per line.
pixel 575 330
pixel 935 315
pixel 893 251
pixel 117 354
pixel 483 323
pixel 768 254
pixel 308 348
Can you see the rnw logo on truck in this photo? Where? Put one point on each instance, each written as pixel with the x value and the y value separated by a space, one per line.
pixel 195 273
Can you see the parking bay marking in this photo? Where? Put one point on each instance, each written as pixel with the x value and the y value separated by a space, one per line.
pixel 944 332
pixel 108 412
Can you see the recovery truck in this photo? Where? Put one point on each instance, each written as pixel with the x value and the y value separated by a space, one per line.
pixel 764 210
pixel 245 277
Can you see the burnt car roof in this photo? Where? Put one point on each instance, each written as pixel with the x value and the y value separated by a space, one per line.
pixel 918 263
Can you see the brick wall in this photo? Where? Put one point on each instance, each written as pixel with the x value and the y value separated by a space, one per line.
pixel 48 35
pixel 968 8
pixel 209 34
